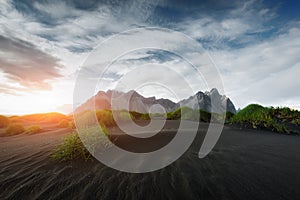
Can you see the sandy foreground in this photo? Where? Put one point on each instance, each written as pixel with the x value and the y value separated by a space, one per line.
pixel 245 164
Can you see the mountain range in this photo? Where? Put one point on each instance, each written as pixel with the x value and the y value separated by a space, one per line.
pixel 210 101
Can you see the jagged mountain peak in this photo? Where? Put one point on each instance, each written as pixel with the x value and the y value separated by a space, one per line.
pixel 210 101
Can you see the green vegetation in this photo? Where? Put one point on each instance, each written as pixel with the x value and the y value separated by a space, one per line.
pixel 14 129
pixel 139 116
pixel 259 117
pixel 285 114
pixel 123 115
pixel 296 121
pixel 4 121
pixel 186 113
pixel 105 117
pixel 33 129
pixel 144 116
pixel 254 116
pixel 228 116
pixel 73 148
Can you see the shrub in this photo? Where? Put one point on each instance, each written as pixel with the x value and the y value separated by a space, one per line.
pixel 33 129
pixel 4 121
pixel 14 129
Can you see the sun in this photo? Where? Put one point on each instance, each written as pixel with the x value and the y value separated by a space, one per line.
pixel 35 102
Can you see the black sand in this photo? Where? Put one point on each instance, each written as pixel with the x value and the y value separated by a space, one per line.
pixel 245 164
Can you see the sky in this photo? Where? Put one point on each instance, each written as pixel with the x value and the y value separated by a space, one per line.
pixel 254 45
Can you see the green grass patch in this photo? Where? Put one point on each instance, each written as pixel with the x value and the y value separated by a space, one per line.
pixel 186 113
pixel 259 117
pixel 72 146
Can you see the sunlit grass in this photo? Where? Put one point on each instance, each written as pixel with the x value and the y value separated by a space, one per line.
pixel 33 129
pixel 71 148
pixel 14 129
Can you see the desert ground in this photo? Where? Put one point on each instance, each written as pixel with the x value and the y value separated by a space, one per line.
pixel 245 164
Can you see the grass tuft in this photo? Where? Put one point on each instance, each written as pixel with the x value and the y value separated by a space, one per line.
pixel 14 129
pixel 33 129
pixel 73 146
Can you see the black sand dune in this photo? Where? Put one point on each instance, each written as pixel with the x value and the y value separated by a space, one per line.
pixel 245 164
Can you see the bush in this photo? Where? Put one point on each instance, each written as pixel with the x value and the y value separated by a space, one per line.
pixel 14 129
pixel 33 129
pixel 4 121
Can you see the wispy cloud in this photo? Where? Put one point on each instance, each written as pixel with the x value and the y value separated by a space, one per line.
pixel 263 72
pixel 23 63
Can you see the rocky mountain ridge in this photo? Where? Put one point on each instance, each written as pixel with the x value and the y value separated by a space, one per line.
pixel 210 101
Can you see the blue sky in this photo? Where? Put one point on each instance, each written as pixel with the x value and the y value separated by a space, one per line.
pixel 255 46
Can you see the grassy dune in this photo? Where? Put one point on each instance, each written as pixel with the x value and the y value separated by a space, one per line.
pixel 269 118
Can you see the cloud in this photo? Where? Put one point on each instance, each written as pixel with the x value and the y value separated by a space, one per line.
pixel 42 41
pixel 65 108
pixel 23 63
pixel 265 72
pixel 233 27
